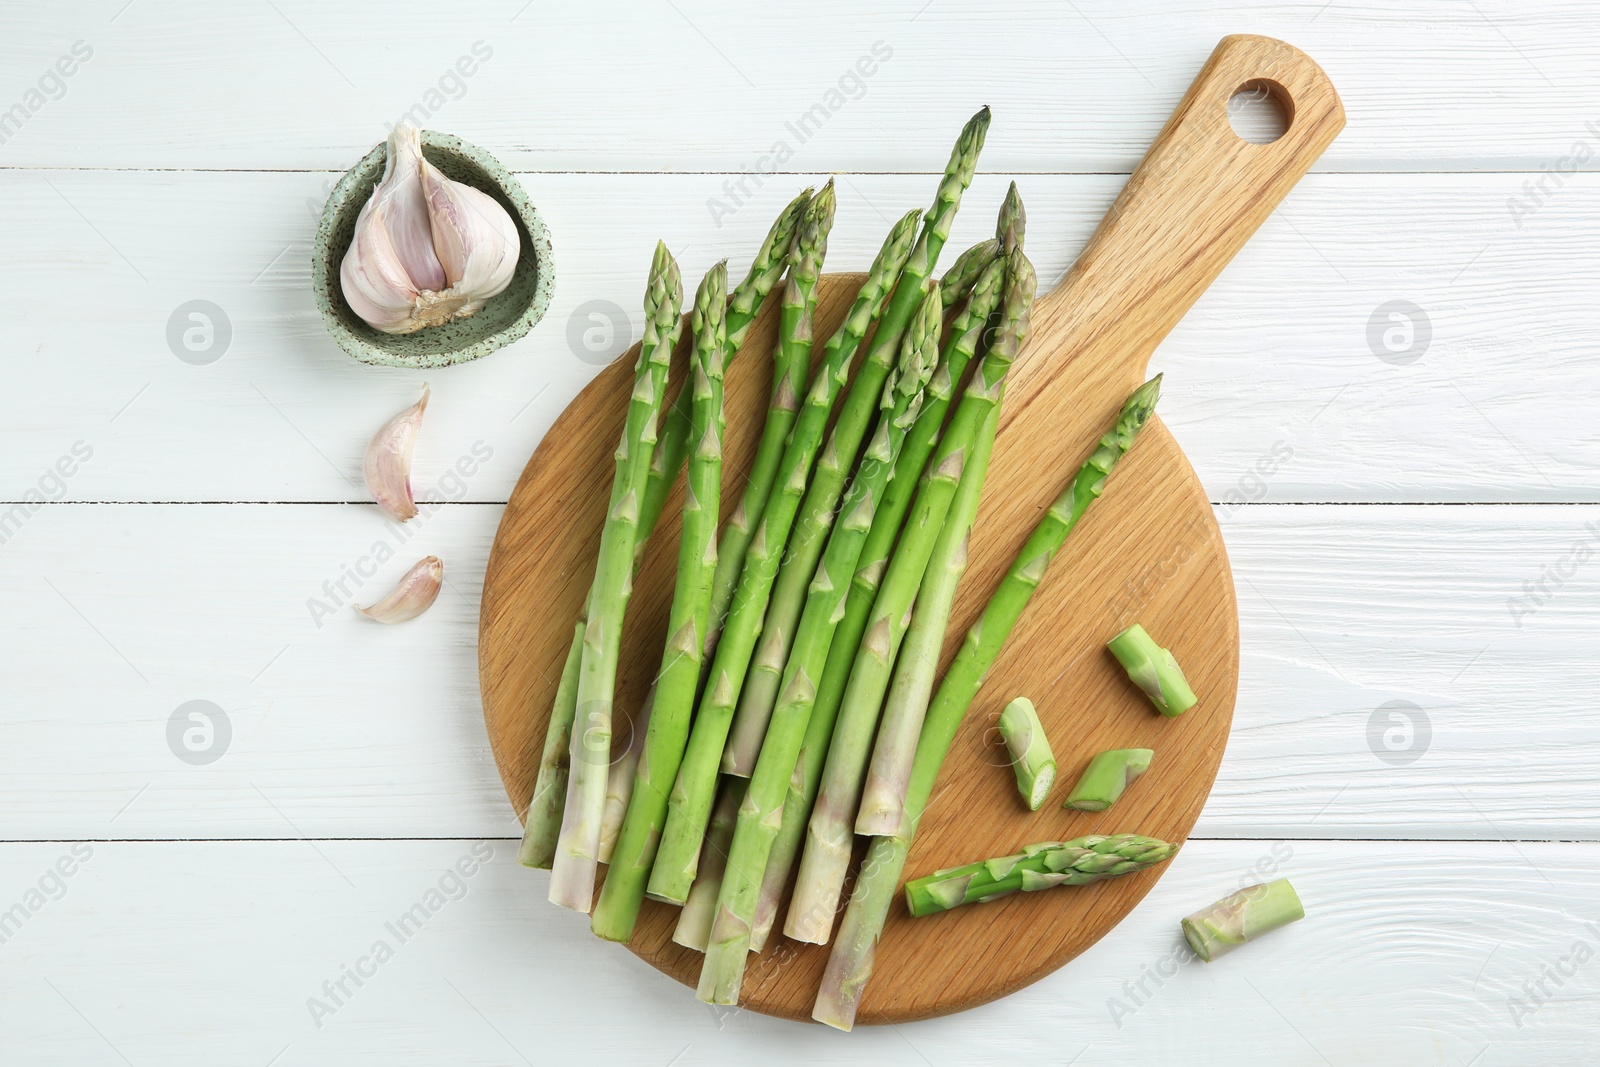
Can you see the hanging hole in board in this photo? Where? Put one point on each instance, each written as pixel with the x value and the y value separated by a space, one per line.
pixel 1260 111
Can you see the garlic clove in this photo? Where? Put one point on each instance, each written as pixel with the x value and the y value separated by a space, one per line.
pixel 387 464
pixel 476 241
pixel 403 205
pixel 373 282
pixel 415 594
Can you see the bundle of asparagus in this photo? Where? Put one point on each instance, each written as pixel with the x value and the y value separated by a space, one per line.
pixel 958 468
pixel 830 587
pixel 550 787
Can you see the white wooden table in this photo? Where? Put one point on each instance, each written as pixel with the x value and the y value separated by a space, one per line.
pixel 1416 736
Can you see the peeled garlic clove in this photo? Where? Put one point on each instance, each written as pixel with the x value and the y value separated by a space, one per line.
pixel 426 249
pixel 387 465
pixel 415 594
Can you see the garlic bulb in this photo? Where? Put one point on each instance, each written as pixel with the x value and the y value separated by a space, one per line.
pixel 415 594
pixel 426 249
pixel 387 464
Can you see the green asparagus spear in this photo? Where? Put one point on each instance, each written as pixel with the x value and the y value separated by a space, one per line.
pixel 744 304
pixel 760 692
pixel 679 675
pixel 695 918
pixel 674 870
pixel 850 963
pixel 1031 758
pixel 958 281
pixel 791 368
pixel 543 822
pixel 1154 670
pixel 1043 866
pixel 826 859
pixel 544 818
pixel 761 812
pixel 842 639
pixel 578 847
pixel 689 803
pixel 1107 775
pixel 620 782
pixel 883 795
pixel 1244 916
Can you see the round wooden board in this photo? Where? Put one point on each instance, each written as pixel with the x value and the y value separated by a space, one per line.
pixel 1149 551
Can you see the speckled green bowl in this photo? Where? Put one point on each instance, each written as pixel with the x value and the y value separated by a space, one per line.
pixel 502 320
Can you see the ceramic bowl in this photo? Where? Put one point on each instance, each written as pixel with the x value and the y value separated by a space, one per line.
pixel 503 319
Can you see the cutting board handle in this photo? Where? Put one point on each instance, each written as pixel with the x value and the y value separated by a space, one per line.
pixel 1196 197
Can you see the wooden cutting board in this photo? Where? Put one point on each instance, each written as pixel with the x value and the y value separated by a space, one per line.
pixel 1149 551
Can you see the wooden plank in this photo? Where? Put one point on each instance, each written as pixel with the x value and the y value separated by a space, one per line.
pixel 199 953
pixel 1502 85
pixel 359 730
pixel 1274 388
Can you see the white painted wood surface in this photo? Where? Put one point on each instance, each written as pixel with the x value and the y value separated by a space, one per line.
pixel 1417 532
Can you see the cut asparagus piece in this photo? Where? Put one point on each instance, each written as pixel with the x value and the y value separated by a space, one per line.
pixel 791 369
pixel 619 784
pixel 1153 669
pixel 694 921
pixel 1107 775
pixel 826 858
pixel 843 638
pixel 1031 758
pixel 543 822
pixel 689 803
pixel 761 813
pixel 1243 916
pixel 760 692
pixel 1043 866
pixel 578 847
pixel 679 674
pixel 850 963
pixel 665 462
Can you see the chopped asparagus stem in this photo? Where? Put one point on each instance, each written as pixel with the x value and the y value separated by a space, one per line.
pixel 1240 917
pixel 1107 775
pixel 1043 866
pixel 1153 669
pixel 1031 758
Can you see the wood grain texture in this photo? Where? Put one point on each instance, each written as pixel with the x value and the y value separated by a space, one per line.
pixel 1199 194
